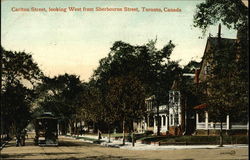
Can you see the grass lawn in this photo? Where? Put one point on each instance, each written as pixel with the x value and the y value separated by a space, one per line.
pixel 87 138
pixel 195 139
pixel 114 135
pixel 165 140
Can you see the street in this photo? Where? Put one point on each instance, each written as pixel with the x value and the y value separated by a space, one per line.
pixel 74 149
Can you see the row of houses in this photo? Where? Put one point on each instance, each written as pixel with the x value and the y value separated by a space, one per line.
pixel 175 118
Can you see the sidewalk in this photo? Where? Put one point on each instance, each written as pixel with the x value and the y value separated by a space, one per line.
pixel 138 146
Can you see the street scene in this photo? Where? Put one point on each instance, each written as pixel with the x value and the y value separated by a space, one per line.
pixel 69 148
pixel 118 80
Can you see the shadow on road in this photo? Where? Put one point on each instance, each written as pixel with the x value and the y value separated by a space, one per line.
pixel 72 144
pixel 105 158
pixel 61 143
pixel 12 143
pixel 20 156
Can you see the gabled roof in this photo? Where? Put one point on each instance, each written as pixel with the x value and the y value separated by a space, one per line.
pixel 213 42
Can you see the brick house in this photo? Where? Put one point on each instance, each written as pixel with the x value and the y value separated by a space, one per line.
pixel 203 124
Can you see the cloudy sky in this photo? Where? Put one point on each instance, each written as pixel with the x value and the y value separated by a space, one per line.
pixel 74 42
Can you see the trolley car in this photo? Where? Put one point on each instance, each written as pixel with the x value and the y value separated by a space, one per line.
pixel 46 129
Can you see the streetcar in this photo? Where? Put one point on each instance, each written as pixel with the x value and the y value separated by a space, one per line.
pixel 46 129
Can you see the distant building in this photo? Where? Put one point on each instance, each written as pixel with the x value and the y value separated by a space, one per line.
pixel 174 117
pixel 149 123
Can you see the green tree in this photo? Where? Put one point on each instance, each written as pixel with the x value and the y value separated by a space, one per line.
pixel 151 66
pixel 232 13
pixel 19 67
pixel 226 93
pixel 227 86
pixel 92 108
pixel 127 96
pixel 19 75
pixel 61 96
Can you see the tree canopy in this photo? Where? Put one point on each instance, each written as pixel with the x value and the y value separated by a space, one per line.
pixel 61 96
pixel 18 68
pixel 232 13
pixel 151 66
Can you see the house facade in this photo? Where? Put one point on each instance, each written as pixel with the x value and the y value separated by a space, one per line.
pixel 150 121
pixel 204 124
pixel 173 118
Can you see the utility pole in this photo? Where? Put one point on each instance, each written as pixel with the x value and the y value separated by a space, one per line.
pixel 219 47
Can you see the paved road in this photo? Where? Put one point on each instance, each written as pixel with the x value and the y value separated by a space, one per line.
pixel 74 149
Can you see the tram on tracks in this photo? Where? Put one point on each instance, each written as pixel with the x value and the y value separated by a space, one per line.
pixel 46 129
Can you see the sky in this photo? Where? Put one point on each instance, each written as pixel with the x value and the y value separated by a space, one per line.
pixel 74 42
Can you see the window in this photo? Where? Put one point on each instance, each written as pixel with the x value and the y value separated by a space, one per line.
pixel 171 119
pixel 151 121
pixel 202 117
pixel 158 120
pixel 164 120
pixel 176 118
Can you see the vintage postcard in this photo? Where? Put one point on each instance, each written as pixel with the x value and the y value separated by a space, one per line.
pixel 124 79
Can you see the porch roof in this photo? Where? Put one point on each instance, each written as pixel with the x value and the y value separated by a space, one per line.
pixel 201 106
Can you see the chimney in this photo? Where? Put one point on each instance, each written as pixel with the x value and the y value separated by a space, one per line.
pixel 196 77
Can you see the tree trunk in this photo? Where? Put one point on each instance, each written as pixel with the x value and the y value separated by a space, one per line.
pixel 221 135
pixel 158 120
pixel 81 127
pixel 99 134
pixel 66 127
pixel 71 127
pixel 133 139
pixel 123 130
pixel 75 128
pixel 133 135
pixel 109 132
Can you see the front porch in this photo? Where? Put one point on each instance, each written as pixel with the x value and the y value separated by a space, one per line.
pixel 205 124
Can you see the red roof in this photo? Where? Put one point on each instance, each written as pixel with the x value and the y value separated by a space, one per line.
pixel 201 106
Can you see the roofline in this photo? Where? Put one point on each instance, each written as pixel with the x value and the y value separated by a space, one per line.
pixel 202 59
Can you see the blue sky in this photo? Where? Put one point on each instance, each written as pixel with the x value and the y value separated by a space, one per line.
pixel 74 42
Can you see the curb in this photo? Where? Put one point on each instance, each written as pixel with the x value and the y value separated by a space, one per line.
pixel 102 143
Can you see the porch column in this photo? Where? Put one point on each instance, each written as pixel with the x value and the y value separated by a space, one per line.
pixel 174 123
pixel 145 124
pixel 197 120
pixel 58 129
pixel 155 130
pixel 179 115
pixel 167 122
pixel 228 126
pixel 206 120
pixel 162 123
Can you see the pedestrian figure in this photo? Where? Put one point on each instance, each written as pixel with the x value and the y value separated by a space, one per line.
pixel 25 131
pixel 23 138
pixel 99 135
pixel 18 139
